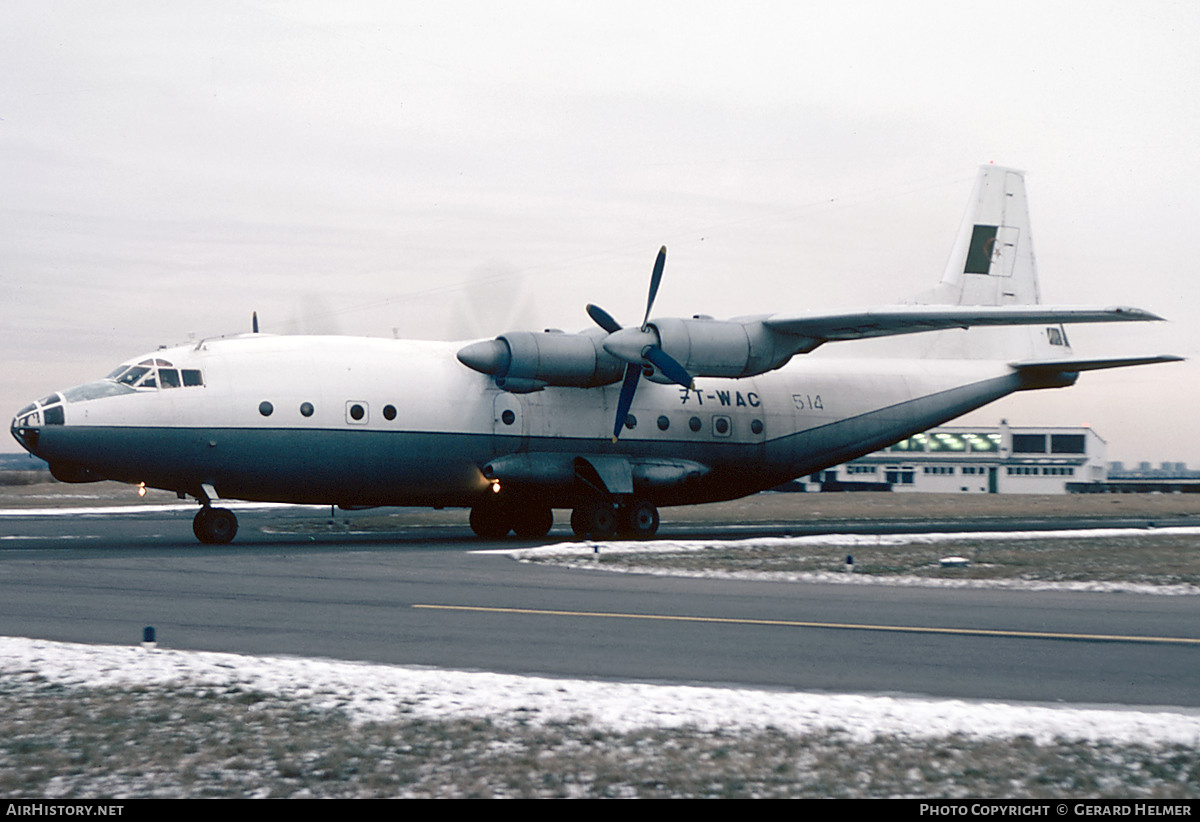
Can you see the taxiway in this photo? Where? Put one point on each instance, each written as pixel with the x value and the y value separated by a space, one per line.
pixel 427 596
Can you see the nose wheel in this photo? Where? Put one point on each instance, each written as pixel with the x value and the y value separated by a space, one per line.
pixel 215 526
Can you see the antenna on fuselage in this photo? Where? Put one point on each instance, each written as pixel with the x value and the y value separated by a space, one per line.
pixel 254 322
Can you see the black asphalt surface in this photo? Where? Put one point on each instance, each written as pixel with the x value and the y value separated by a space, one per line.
pixel 426 596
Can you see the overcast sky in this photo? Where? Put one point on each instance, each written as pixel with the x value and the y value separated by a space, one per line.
pixel 449 170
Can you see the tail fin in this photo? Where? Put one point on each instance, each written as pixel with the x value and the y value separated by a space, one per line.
pixel 992 263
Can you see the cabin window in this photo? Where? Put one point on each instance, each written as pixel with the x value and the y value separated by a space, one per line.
pixel 721 426
pixel 630 421
pixel 265 408
pixel 756 426
pixel 356 413
pixel 663 423
pixel 694 423
pixel 389 412
pixel 306 409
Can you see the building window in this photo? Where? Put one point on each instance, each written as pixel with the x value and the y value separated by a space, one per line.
pixel 1029 443
pixel 1067 444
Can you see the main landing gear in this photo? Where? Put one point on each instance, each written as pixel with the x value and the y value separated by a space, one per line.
pixel 605 519
pixel 215 526
pixel 493 520
pixel 594 519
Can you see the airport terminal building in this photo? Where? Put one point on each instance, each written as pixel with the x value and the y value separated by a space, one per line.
pixel 976 460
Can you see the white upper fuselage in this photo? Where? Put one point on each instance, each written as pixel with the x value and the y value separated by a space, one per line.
pixel 379 421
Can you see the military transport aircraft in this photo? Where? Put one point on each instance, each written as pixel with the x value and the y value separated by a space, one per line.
pixel 612 422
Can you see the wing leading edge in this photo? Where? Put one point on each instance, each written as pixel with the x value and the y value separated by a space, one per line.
pixel 888 321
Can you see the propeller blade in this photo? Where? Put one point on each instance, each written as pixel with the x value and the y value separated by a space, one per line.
pixel 669 367
pixel 655 280
pixel 602 318
pixel 632 373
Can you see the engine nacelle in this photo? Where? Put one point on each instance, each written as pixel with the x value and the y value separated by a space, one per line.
pixel 524 361
pixel 616 474
pixel 722 348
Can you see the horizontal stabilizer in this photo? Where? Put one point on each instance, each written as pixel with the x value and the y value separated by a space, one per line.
pixel 1074 366
pixel 910 319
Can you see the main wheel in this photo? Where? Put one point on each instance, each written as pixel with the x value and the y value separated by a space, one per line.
pixel 641 520
pixel 490 521
pixel 215 526
pixel 594 520
pixel 533 522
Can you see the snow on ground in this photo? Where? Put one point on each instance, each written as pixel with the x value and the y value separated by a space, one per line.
pixel 584 552
pixel 369 692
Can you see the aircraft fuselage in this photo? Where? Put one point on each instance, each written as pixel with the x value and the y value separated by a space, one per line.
pixel 361 421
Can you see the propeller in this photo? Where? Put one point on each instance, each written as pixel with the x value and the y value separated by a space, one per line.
pixel 639 348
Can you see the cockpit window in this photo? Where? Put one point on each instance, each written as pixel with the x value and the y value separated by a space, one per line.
pixel 132 374
pixel 156 373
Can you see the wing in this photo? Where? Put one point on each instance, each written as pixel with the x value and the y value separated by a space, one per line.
pixel 887 321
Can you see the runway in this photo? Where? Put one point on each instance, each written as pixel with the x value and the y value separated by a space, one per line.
pixel 426 596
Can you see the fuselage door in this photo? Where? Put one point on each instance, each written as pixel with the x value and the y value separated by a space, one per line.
pixel 508 422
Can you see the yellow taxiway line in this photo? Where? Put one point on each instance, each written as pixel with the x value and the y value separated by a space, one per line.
pixel 849 626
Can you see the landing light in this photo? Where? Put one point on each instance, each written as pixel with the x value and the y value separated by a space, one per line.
pixel 495 486
pixel 141 489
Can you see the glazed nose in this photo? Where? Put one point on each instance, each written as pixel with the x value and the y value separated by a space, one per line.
pixel 27 424
pixel 25 427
